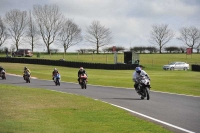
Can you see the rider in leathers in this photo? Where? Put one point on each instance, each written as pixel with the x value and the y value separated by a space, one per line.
pixel 25 71
pixel 55 71
pixel 136 74
pixel 81 72
pixel 1 68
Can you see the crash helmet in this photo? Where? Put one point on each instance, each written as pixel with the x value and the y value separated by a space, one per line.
pixel 81 68
pixel 25 68
pixel 55 69
pixel 138 69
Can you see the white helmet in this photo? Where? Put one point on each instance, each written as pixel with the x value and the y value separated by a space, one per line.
pixel 55 69
pixel 81 69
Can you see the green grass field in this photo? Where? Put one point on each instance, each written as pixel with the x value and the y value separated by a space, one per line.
pixel 33 110
pixel 42 111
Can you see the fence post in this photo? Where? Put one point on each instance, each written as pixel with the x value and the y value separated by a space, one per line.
pixel 106 59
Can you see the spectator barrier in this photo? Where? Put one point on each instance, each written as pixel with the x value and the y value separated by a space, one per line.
pixel 70 63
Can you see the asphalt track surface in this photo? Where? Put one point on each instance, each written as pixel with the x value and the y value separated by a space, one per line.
pixel 178 113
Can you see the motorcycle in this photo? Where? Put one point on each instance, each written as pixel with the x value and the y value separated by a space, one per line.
pixel 3 74
pixel 57 79
pixel 83 81
pixel 27 76
pixel 144 87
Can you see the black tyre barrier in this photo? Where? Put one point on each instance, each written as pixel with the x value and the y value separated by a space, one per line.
pixel 70 63
pixel 195 67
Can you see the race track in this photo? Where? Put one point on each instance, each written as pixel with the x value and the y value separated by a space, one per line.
pixel 178 113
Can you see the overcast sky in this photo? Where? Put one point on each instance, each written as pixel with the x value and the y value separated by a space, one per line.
pixel 130 21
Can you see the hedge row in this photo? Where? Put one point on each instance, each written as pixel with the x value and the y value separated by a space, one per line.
pixel 70 63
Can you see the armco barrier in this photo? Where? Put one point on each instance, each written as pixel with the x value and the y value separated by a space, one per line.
pixel 195 67
pixel 69 63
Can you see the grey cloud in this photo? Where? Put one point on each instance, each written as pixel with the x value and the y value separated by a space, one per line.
pixel 129 20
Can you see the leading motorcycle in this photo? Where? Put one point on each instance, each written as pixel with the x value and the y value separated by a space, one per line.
pixel 144 87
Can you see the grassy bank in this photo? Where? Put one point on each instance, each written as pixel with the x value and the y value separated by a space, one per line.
pixel 181 82
pixel 33 110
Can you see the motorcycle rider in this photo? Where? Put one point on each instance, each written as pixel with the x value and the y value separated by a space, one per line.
pixel 55 71
pixel 81 71
pixel 1 69
pixel 138 71
pixel 26 70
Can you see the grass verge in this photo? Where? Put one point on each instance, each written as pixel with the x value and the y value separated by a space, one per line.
pixel 33 110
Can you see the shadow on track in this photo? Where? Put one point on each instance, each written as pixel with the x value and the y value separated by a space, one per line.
pixel 48 85
pixel 124 98
pixel 75 88
pixel 19 83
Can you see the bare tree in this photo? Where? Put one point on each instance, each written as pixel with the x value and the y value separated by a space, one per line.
pixel 70 34
pixel 49 20
pixel 91 50
pixel 3 32
pixel 98 35
pixel 82 51
pixel 160 35
pixel 172 49
pixel 151 49
pixel 32 36
pixel 138 49
pixel 182 49
pixel 16 21
pixel 110 49
pixel 198 48
pixel 190 36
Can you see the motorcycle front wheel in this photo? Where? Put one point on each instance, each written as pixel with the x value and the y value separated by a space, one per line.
pixel 147 93
pixel 85 84
pixel 82 86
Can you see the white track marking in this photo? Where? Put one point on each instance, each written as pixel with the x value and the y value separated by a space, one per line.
pixel 151 118
pixel 134 112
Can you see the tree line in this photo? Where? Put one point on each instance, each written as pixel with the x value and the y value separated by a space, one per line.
pixel 141 49
pixel 48 24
